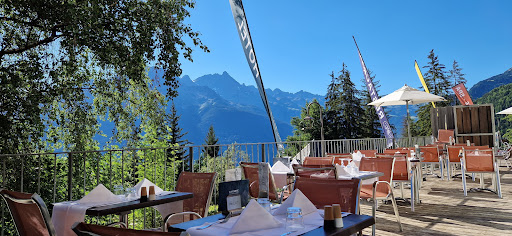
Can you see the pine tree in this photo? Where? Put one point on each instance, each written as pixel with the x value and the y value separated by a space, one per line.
pixel 438 84
pixel 333 107
pixel 457 76
pixel 211 140
pixel 177 134
pixel 351 109
pixel 370 124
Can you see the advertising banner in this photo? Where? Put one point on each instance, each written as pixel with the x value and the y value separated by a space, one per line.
pixel 462 93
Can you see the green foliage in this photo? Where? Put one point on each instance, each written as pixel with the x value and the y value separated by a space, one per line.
pixel 501 99
pixel 438 84
pixel 211 140
pixel 370 124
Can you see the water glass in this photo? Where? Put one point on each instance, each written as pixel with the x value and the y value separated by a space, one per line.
pixel 118 189
pixel 294 220
pixel 265 203
pixel 130 191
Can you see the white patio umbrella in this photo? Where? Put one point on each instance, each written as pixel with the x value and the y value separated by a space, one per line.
pixel 507 111
pixel 405 96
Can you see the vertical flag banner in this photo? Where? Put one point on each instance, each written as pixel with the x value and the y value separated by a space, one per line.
pixel 462 94
pixel 388 132
pixel 245 38
pixel 422 80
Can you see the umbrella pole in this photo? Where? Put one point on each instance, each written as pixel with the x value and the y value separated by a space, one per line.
pixel 408 125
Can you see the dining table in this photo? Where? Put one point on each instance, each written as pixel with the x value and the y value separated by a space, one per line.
pixel 352 223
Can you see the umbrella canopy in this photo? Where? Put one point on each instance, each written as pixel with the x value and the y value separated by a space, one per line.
pixel 406 95
pixel 505 112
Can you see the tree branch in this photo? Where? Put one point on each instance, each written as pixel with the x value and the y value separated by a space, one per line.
pixel 46 40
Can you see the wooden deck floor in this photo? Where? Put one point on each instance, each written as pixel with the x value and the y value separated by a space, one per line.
pixel 445 211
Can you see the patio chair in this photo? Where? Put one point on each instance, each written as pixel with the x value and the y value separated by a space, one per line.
pixel 399 150
pixel 431 155
pixel 367 153
pixel 323 192
pixel 29 213
pixel 250 170
pixel 340 160
pixel 444 135
pixel 83 229
pixel 379 190
pixel 314 171
pixel 480 161
pixel 326 161
pixel 201 185
pixel 454 156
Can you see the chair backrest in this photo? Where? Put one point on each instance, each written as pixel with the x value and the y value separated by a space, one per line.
pixel 201 185
pixel 384 165
pixel 367 153
pixel 401 151
pixel 342 160
pixel 338 154
pixel 326 161
pixel 251 173
pixel 315 171
pixel 481 160
pixel 453 153
pixel 29 213
pixel 443 135
pixel 430 153
pixel 83 229
pixel 323 192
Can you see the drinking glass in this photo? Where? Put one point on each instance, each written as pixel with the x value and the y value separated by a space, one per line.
pixel 118 189
pixel 265 203
pixel 129 191
pixel 294 220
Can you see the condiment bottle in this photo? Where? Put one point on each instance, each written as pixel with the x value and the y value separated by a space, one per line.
pixel 152 193
pixel 143 194
pixel 338 220
pixel 328 217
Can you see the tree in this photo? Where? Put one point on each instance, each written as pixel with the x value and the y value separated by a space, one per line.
pixel 370 124
pixel 438 84
pixel 457 76
pixel 54 53
pixel 211 141
pixel 177 134
pixel 333 108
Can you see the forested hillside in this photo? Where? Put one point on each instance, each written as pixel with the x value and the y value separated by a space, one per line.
pixel 501 99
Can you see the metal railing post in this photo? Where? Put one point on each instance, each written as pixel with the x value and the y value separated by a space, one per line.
pixel 70 177
pixel 190 158
pixel 262 152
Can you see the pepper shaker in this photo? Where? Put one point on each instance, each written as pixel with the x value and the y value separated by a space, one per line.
pixel 143 194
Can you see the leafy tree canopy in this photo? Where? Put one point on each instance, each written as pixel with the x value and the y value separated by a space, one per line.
pixel 55 55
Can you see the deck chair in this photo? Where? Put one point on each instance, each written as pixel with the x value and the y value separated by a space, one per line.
pixel 83 229
pixel 367 153
pixel 480 161
pixel 314 171
pixel 250 170
pixel 432 155
pixel 29 213
pixel 326 161
pixel 379 190
pixel 323 192
pixel 444 135
pixel 454 156
pixel 201 185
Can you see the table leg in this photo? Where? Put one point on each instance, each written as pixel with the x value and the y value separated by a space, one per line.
pixel 123 217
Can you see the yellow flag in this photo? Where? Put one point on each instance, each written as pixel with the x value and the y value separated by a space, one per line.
pixel 422 80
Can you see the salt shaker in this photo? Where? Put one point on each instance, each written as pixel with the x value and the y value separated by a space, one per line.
pixel 338 220
pixel 152 193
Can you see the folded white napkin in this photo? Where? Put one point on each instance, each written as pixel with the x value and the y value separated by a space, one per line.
pixel 352 169
pixel 67 213
pixel 356 156
pixel 296 199
pixel 342 173
pixel 164 209
pixel 280 167
pixel 294 161
pixel 254 217
pixel 100 194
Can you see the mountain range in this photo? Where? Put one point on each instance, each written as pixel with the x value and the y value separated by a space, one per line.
pixel 235 110
pixel 479 89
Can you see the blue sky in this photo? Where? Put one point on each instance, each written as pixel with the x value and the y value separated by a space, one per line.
pixel 299 43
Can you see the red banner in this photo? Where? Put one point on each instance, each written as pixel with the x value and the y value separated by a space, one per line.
pixel 462 93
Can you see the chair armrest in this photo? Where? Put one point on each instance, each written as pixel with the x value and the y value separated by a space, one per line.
pixel 376 183
pixel 164 228
pixel 121 225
